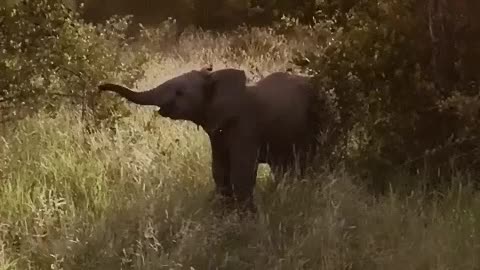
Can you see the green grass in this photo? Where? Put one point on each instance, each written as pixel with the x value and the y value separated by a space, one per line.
pixel 139 200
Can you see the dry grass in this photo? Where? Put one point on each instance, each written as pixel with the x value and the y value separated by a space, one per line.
pixel 138 199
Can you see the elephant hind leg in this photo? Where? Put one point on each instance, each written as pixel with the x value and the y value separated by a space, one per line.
pixel 292 166
pixel 282 171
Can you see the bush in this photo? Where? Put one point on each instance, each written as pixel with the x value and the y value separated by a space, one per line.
pixel 377 63
pixel 47 54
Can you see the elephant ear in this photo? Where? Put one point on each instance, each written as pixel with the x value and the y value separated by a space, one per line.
pixel 225 83
pixel 225 96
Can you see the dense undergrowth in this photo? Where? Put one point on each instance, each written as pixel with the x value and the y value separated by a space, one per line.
pixel 92 182
pixel 139 200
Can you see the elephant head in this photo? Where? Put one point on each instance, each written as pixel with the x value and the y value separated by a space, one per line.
pixel 205 97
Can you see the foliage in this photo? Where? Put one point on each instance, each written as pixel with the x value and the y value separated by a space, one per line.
pixel 47 54
pixel 377 64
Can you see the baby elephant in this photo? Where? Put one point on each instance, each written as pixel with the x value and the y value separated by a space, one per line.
pixel 268 122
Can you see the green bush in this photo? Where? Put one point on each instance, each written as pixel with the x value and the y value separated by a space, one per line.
pixel 377 63
pixel 49 56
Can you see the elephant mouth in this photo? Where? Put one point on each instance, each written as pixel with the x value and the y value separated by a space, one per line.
pixel 169 112
pixel 173 112
pixel 166 110
pixel 162 111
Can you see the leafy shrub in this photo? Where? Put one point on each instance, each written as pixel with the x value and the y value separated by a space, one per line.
pixel 47 54
pixel 377 63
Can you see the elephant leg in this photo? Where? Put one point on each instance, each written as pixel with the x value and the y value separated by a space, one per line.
pixel 298 159
pixel 307 156
pixel 287 165
pixel 221 167
pixel 243 170
pixel 279 170
pixel 281 163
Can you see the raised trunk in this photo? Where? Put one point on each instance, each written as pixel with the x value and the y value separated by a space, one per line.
pixel 149 97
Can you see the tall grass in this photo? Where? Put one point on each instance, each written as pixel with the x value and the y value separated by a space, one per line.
pixel 138 199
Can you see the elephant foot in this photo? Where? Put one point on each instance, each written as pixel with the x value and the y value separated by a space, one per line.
pixel 222 201
pixel 226 203
pixel 246 207
pixel 247 211
pixel 220 194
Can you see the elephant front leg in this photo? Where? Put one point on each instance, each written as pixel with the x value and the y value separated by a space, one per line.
pixel 220 167
pixel 243 157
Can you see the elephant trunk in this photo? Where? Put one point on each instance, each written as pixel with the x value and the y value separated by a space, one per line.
pixel 149 97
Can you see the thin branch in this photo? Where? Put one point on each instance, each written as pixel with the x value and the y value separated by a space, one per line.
pixel 79 75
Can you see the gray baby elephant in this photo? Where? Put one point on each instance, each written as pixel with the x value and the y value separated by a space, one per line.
pixel 268 122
